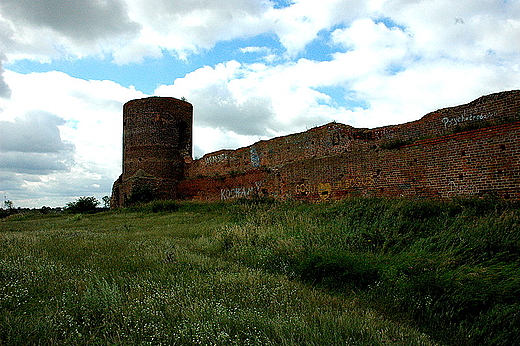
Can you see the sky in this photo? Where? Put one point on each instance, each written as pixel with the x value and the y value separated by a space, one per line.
pixel 253 70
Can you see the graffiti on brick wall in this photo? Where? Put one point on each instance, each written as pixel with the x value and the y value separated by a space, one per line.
pixel 453 121
pixel 215 158
pixel 317 164
pixel 461 189
pixel 324 191
pixel 241 191
pixel 302 189
pixel 255 158
pixel 384 132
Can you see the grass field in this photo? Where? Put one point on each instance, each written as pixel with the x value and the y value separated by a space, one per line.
pixel 356 272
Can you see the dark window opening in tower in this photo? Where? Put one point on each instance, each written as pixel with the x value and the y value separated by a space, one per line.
pixel 184 138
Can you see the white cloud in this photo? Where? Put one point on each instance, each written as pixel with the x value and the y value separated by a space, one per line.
pixel 130 30
pixel 384 66
pixel 244 103
pixel 465 30
pixel 299 24
pixel 5 91
pixel 185 27
pixel 210 139
pixel 255 50
pixel 399 59
pixel 36 132
pixel 65 137
pixel 53 29
pixel 83 21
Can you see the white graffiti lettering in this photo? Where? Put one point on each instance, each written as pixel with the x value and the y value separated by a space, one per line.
pixel 215 159
pixel 453 121
pixel 459 189
pixel 241 191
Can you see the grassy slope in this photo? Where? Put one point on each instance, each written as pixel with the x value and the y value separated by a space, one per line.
pixel 265 274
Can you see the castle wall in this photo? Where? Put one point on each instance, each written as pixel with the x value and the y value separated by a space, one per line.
pixel 476 162
pixel 470 149
pixel 467 150
pixel 156 146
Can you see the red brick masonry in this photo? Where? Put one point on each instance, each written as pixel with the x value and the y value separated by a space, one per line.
pixel 471 149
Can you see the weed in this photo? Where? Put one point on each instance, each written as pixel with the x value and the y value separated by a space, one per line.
pixel 265 273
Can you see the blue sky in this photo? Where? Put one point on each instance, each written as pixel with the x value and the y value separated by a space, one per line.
pixel 147 75
pixel 253 69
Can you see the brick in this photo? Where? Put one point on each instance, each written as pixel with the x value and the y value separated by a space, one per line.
pixel 423 158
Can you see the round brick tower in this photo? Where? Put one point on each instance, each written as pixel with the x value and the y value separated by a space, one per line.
pixel 157 140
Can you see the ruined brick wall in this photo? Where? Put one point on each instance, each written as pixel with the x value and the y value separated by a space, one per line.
pixel 157 143
pixel 476 162
pixel 470 149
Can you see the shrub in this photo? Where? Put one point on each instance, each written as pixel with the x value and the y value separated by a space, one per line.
pixel 142 193
pixel 83 205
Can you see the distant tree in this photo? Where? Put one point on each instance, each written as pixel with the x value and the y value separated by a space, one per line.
pixel 106 201
pixel 45 210
pixel 8 205
pixel 82 205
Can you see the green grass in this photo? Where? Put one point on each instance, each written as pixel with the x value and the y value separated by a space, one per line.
pixel 356 272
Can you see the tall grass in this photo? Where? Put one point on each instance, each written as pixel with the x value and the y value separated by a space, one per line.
pixel 161 275
pixel 355 272
pixel 448 268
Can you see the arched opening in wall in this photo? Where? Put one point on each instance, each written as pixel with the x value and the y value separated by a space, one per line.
pixel 184 136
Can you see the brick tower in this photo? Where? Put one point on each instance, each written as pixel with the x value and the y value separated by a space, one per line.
pixel 157 143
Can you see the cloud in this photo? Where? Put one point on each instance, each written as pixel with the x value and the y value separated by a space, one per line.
pixel 383 62
pixel 255 50
pixel 222 101
pixel 56 189
pixel 238 104
pixel 461 30
pixel 378 63
pixel 32 144
pixel 5 91
pixel 185 27
pixel 50 30
pixel 36 132
pixel 61 137
pixel 34 163
pixel 130 30
pixel 299 24
pixel 82 21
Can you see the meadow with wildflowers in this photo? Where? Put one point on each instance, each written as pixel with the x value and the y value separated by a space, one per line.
pixel 260 272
